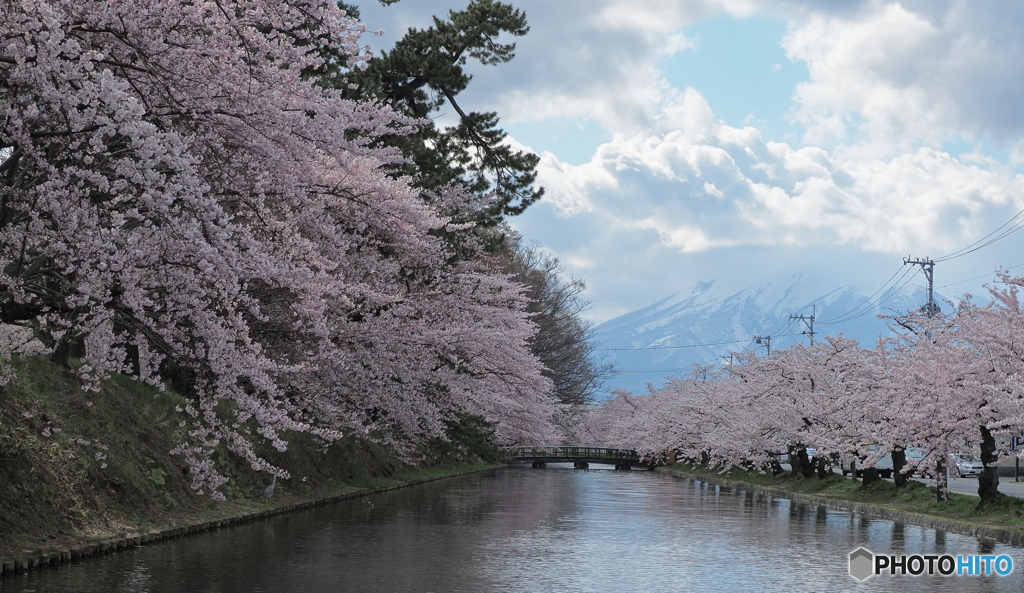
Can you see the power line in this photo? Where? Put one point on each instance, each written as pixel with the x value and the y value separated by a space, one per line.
pixel 652 370
pixel 981 243
pixel 785 326
pixel 888 290
pixel 1015 224
pixel 672 347
pixel 978 277
pixel 871 306
pixel 868 300
pixel 765 341
pixel 928 267
pixel 701 345
pixel 809 322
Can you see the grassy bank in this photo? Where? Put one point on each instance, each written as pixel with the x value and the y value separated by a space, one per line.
pixel 913 503
pixel 77 467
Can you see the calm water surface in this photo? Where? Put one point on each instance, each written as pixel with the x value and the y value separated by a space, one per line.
pixel 524 530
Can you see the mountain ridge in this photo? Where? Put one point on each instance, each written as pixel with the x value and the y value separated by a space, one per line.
pixel 701 325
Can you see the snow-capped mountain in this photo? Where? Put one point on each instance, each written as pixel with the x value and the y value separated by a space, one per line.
pixel 702 326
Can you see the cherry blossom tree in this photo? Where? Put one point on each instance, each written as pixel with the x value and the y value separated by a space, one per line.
pixel 941 384
pixel 987 359
pixel 180 202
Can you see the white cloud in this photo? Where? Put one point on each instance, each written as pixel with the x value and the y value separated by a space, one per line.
pixel 678 212
pixel 594 60
pixel 654 18
pixel 675 193
pixel 709 186
pixel 568 188
pixel 911 73
pixel 676 235
pixel 711 190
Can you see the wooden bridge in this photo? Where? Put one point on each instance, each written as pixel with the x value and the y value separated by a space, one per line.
pixel 580 457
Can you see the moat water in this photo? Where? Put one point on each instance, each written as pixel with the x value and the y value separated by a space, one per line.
pixel 522 530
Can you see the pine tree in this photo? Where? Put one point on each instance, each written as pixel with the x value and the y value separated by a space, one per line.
pixel 425 73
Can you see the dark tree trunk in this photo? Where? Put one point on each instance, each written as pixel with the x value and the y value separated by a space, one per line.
pixel 988 481
pixel 132 359
pixel 824 467
pixel 66 348
pixel 794 458
pixel 809 465
pixel 870 475
pixel 899 460
pixel 61 353
pixel 799 462
pixel 941 487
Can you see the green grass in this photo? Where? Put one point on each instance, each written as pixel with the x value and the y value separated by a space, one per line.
pixel 77 465
pixel 914 498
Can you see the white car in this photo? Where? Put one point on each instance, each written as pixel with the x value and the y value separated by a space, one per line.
pixel 852 464
pixel 967 465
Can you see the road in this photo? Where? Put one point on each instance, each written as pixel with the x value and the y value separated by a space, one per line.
pixel 969 486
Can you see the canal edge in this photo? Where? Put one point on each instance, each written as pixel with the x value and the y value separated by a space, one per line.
pixel 98 550
pixel 1002 535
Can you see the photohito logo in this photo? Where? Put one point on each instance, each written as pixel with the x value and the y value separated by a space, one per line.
pixel 864 564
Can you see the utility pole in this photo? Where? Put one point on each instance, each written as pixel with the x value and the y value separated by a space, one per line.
pixel 928 265
pixel 766 340
pixel 930 310
pixel 809 322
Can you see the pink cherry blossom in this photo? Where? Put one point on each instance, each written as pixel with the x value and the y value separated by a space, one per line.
pixel 182 202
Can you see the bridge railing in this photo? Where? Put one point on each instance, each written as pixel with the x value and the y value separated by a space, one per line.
pixel 575 453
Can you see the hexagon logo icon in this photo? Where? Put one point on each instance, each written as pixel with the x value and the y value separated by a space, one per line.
pixel 862 563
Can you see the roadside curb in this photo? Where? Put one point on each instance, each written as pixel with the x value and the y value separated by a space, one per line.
pixel 1003 535
pixel 55 559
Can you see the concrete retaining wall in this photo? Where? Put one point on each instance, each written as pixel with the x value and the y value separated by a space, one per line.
pixel 55 559
pixel 1004 535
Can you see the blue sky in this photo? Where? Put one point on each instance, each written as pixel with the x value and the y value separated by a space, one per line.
pixel 741 69
pixel 686 141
